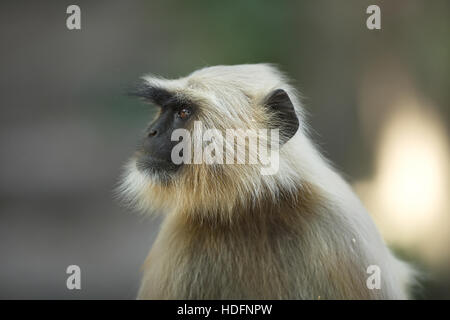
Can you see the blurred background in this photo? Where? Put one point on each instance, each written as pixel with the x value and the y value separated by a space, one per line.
pixel 378 102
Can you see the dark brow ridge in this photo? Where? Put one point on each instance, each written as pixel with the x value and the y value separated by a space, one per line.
pixel 157 95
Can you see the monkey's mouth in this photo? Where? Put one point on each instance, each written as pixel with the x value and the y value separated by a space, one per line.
pixel 149 164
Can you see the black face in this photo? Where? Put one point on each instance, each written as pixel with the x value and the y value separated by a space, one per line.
pixel 154 153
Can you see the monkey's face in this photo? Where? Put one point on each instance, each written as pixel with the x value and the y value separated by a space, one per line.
pixel 154 154
pixel 199 110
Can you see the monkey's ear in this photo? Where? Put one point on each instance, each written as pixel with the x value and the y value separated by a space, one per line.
pixel 286 119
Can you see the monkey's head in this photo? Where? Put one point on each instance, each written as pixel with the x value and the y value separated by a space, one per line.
pixel 189 159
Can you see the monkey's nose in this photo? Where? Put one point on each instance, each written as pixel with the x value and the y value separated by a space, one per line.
pixel 152 133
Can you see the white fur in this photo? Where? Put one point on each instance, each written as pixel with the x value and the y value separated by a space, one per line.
pixel 230 96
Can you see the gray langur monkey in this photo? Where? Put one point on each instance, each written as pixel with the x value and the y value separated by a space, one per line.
pixel 230 232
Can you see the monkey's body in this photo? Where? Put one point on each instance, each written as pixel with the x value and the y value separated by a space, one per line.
pixel 318 249
pixel 298 234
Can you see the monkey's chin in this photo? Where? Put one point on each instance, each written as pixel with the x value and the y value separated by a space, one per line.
pixel 157 170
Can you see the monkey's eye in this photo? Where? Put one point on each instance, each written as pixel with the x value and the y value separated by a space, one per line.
pixel 183 113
